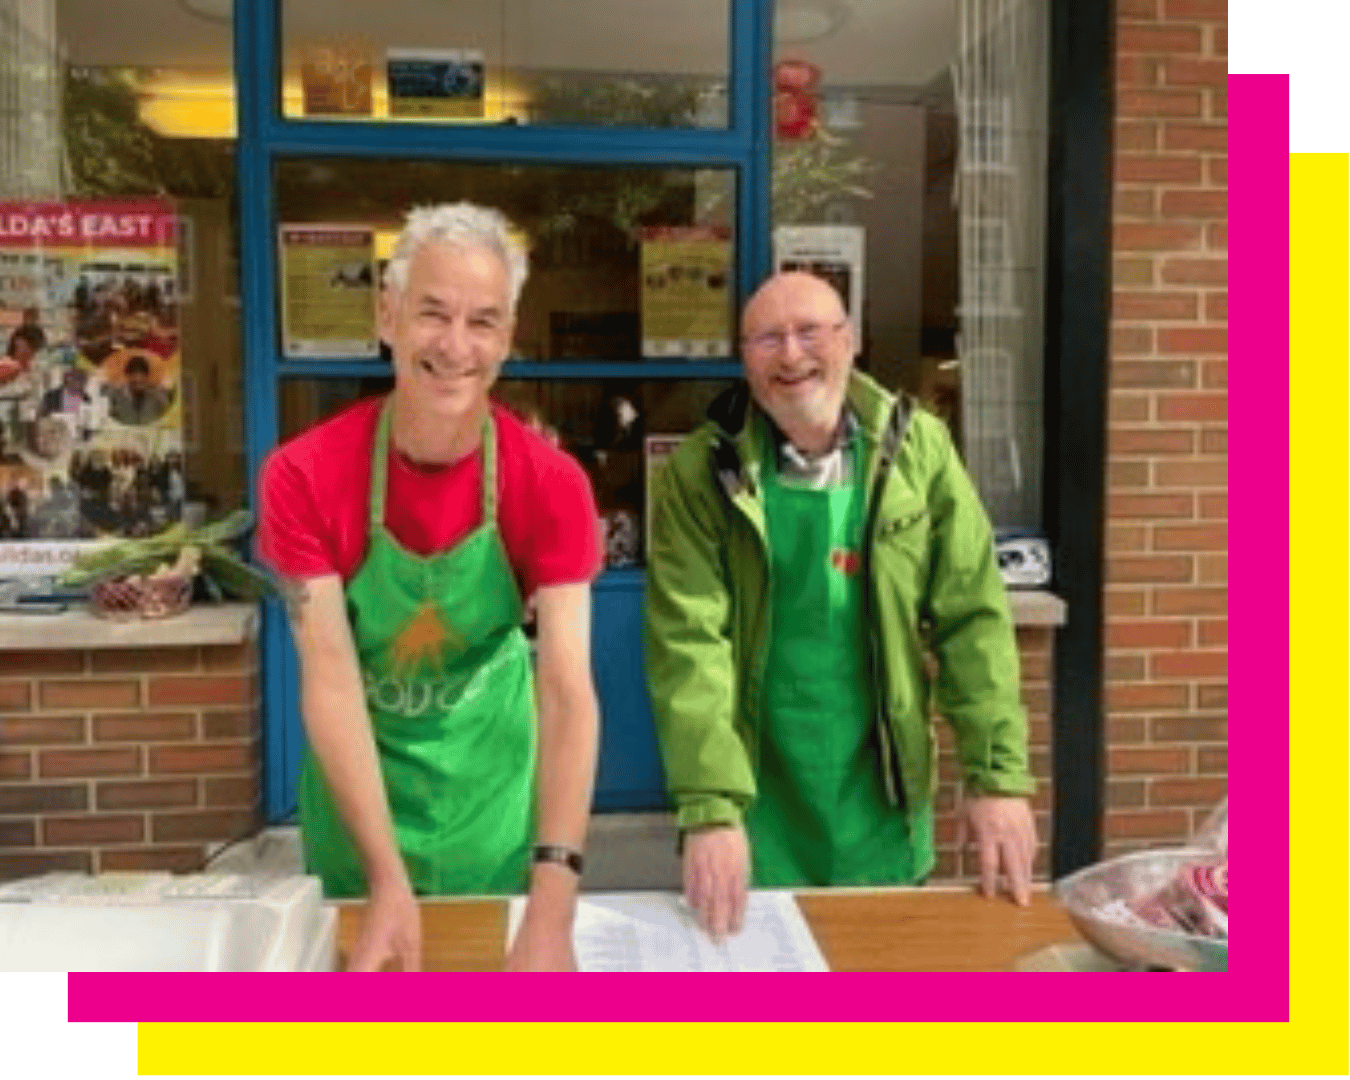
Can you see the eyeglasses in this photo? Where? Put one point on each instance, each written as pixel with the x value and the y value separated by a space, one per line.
pixel 808 335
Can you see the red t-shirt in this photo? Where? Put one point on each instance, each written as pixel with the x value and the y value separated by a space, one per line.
pixel 315 498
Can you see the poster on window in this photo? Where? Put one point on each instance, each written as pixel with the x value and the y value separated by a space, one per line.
pixel 328 291
pixel 90 383
pixel 336 80
pixel 686 292
pixel 832 252
pixel 438 84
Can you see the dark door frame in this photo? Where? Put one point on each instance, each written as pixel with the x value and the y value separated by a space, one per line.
pixel 1078 323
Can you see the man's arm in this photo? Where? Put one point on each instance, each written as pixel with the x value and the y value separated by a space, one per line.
pixel 568 736
pixel 691 676
pixel 978 688
pixel 973 638
pixel 692 682
pixel 332 703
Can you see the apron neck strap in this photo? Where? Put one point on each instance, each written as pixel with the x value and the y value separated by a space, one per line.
pixel 379 465
pixel 489 468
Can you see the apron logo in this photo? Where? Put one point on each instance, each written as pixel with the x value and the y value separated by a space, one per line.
pixel 846 561
pixel 423 642
pixel 412 699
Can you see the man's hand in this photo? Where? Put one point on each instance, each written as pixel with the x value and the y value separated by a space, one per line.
pixel 1005 832
pixel 542 945
pixel 391 930
pixel 716 878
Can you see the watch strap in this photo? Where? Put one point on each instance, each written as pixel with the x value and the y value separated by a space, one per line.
pixel 556 853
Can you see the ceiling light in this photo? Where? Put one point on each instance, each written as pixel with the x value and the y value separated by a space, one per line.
pixel 799 21
pixel 215 10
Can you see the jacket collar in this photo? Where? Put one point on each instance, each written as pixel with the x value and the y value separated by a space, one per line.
pixel 738 424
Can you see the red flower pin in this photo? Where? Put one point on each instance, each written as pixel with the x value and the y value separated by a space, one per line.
pixel 845 561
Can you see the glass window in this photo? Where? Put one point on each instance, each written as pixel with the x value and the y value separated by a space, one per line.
pixel 649 63
pixel 121 404
pixel 625 262
pixel 618 429
pixel 909 169
pixel 304 402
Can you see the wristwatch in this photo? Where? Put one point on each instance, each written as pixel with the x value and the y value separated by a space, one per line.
pixel 556 853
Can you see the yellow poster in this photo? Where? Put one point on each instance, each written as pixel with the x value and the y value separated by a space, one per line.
pixel 328 291
pixel 91 380
pixel 336 80
pixel 686 292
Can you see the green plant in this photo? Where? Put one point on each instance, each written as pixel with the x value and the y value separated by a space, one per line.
pixel 810 173
pixel 111 151
pixel 208 547
pixel 609 101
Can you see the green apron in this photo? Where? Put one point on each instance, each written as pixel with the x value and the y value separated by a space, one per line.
pixel 821 816
pixel 449 687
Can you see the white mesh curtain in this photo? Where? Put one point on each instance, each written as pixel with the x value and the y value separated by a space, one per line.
pixel 30 101
pixel 1001 84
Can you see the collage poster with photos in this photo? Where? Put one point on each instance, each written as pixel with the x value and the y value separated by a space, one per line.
pixel 91 440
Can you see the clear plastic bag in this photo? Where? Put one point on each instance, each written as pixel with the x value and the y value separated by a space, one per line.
pixel 1213 833
pixel 1195 901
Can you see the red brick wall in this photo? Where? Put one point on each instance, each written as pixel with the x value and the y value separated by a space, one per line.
pixel 1167 507
pixel 126 759
pixel 1036 646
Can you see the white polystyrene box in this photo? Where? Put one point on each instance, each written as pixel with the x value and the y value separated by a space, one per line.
pixel 158 922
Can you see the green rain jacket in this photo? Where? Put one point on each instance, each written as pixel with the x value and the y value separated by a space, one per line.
pixel 934 590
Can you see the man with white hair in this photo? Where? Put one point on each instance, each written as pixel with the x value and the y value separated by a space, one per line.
pixel 411 530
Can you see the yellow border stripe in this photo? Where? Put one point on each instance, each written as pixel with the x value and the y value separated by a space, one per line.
pixel 1313 1042
pixel 736 1049
pixel 1319 586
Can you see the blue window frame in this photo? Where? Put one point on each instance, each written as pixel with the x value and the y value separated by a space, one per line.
pixel 629 773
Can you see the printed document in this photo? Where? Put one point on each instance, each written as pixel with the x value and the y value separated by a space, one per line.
pixel 658 932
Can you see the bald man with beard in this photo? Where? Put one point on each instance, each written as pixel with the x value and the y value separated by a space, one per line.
pixel 816 546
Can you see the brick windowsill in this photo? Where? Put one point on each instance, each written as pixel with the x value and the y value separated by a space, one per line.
pixel 201 624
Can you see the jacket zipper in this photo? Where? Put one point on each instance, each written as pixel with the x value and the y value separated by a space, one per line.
pixel 734 483
pixel 762 660
pixel 889 749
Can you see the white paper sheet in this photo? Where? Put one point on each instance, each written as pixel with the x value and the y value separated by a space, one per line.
pixel 657 932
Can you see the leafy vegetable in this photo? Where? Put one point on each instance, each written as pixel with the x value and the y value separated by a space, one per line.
pixel 224 571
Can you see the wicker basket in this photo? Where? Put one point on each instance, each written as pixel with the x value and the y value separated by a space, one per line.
pixel 141 598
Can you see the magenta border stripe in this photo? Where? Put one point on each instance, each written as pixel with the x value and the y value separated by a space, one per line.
pixel 835 997
pixel 1256 989
pixel 1258 532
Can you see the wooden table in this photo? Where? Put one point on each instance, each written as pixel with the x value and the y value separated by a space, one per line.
pixel 926 929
